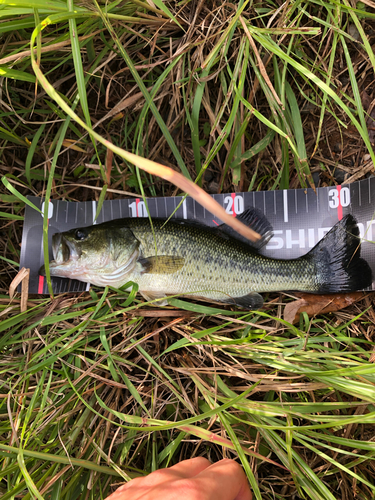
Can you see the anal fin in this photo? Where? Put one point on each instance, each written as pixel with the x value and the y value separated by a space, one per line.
pixel 252 301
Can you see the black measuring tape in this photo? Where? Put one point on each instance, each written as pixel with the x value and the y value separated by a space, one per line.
pixel 299 217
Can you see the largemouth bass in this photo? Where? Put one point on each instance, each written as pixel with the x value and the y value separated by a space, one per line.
pixel 191 260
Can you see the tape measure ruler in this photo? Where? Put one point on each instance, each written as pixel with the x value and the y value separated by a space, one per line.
pixel 299 217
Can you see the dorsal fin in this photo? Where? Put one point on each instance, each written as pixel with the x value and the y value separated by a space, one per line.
pixel 258 222
pixel 251 217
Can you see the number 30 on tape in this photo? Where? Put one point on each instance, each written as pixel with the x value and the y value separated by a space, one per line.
pixel 339 197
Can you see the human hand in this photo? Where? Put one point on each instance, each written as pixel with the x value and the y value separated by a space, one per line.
pixel 194 479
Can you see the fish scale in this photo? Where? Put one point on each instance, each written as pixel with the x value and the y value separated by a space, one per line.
pixel 228 267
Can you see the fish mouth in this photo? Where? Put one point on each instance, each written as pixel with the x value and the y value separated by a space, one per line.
pixel 61 250
pixel 63 253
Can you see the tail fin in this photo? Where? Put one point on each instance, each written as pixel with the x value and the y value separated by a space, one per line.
pixel 337 259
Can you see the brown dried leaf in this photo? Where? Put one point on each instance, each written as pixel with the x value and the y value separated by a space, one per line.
pixel 22 276
pixel 189 187
pixel 160 313
pixel 70 144
pixel 319 304
pixel 108 165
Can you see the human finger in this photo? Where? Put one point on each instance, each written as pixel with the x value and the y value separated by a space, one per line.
pixel 224 480
pixel 183 470
pixel 190 467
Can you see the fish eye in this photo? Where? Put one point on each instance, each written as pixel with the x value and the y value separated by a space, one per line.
pixel 80 234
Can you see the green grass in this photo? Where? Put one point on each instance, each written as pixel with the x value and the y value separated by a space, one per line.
pixel 99 388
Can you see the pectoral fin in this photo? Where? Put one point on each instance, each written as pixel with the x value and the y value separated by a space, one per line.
pixel 161 264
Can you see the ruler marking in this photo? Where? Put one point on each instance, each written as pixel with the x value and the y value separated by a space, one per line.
pixel 101 214
pixel 264 202
pixel 40 284
pixel 233 196
pixel 218 198
pixel 285 201
pixel 93 205
pixel 369 191
pixel 184 209
pixel 274 202
pixel 339 206
pixel 359 195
